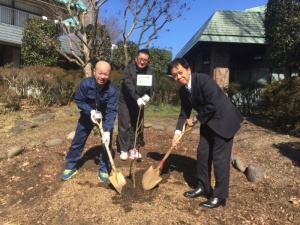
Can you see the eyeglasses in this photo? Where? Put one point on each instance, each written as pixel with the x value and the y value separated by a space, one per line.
pixel 142 60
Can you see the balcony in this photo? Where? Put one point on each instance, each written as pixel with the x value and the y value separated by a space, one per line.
pixel 12 24
pixel 14 17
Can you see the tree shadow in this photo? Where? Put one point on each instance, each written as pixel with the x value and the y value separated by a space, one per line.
pixel 179 163
pixel 290 150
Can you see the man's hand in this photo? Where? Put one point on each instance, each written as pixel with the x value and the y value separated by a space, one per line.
pixel 95 115
pixel 141 102
pixel 175 140
pixel 191 122
pixel 106 137
pixel 146 98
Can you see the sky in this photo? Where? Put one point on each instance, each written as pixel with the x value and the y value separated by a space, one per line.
pixel 183 28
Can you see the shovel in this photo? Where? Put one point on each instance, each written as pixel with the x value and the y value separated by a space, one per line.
pixel 116 178
pixel 152 176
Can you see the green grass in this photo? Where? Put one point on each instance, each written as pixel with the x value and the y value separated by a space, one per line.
pixel 154 110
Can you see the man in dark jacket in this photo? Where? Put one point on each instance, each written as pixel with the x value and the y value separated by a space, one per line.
pixel 96 97
pixel 132 99
pixel 220 120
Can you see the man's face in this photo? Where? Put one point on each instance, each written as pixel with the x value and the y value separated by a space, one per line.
pixel 142 60
pixel 181 75
pixel 101 73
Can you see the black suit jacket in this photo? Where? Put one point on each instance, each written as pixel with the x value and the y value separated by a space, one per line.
pixel 214 108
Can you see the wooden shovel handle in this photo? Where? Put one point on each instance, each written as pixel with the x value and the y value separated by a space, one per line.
pixel 99 125
pixel 171 149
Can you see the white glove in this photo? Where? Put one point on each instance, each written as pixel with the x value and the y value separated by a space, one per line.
pixel 106 137
pixel 146 98
pixel 140 102
pixel 95 115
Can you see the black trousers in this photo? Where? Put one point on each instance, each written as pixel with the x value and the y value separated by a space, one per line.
pixel 214 152
pixel 127 122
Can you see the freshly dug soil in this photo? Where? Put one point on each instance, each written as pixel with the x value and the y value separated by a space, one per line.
pixel 32 193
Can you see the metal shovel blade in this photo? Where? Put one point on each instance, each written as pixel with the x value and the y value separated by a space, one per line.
pixel 120 178
pixel 151 178
pixel 117 180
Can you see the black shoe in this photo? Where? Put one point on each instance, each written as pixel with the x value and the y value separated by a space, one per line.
pixel 195 193
pixel 213 203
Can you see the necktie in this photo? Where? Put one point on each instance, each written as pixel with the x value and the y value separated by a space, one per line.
pixel 189 93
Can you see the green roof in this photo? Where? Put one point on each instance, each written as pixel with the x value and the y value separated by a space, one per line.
pixel 78 3
pixel 232 27
pixel 70 22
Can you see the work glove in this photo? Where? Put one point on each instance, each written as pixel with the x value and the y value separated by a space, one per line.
pixel 95 115
pixel 146 98
pixel 141 102
pixel 106 137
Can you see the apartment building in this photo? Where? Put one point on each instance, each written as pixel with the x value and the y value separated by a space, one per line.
pixel 13 14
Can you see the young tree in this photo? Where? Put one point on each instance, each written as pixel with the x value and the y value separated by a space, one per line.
pixel 147 18
pixel 36 51
pixel 282 34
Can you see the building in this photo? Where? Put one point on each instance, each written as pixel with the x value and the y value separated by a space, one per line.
pixel 230 46
pixel 13 14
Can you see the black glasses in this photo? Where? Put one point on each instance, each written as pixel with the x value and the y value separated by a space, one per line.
pixel 142 60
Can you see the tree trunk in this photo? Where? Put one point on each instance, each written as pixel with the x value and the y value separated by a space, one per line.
pixel 87 70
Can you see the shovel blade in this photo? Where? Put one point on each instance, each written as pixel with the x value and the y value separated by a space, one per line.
pixel 117 180
pixel 121 179
pixel 151 178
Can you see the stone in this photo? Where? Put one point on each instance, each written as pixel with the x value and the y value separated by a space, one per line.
pixel 237 163
pixel 158 127
pixel 53 142
pixel 147 125
pixel 16 130
pixel 254 173
pixel 71 135
pixel 3 155
pixel 13 151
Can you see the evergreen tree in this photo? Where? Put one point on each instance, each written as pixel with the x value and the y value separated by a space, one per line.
pixel 36 50
pixel 282 34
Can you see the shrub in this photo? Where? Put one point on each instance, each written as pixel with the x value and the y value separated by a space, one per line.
pixel 282 99
pixel 42 86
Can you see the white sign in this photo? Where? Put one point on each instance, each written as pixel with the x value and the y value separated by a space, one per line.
pixel 144 80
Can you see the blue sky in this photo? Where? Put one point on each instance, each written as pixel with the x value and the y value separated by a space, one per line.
pixel 183 28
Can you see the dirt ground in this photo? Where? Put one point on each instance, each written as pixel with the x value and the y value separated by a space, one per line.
pixel 32 193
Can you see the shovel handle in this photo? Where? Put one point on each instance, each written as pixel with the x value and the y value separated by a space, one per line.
pixel 171 149
pixel 99 125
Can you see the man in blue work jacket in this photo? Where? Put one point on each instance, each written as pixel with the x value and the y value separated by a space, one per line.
pixel 95 95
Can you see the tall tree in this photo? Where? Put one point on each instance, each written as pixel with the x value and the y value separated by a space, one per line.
pixel 114 28
pixel 159 59
pixel 148 18
pixel 101 49
pixel 118 55
pixel 77 21
pixel 36 51
pixel 282 34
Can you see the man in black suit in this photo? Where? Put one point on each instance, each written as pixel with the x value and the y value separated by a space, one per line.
pixel 220 120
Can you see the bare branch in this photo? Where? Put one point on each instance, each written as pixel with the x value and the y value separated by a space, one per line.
pixel 148 17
